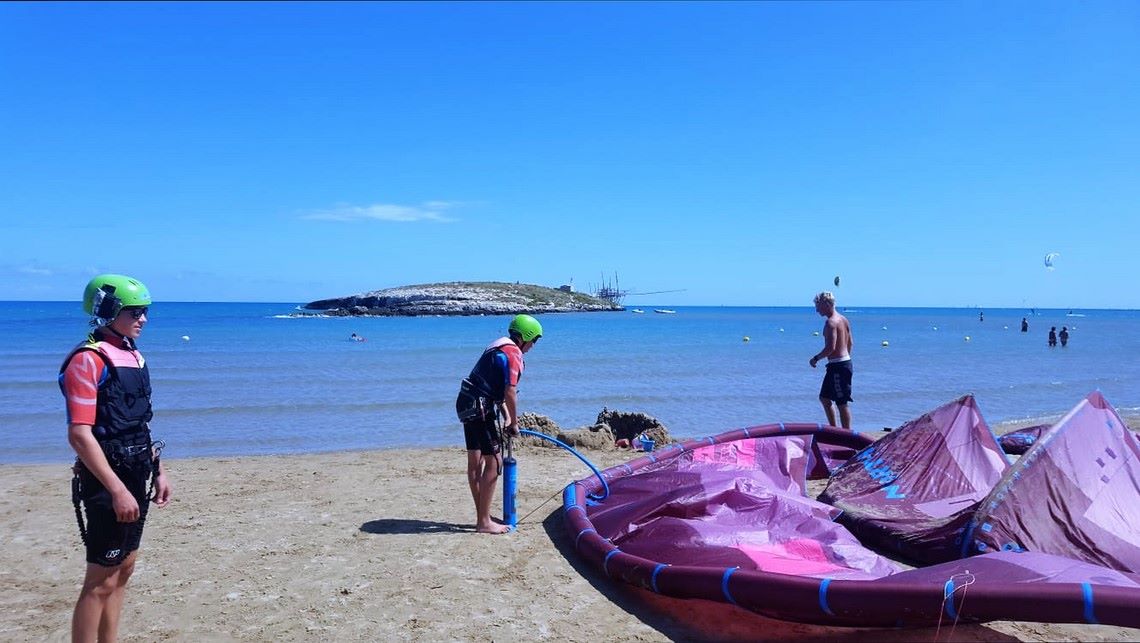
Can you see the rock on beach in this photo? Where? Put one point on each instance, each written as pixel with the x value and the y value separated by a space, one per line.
pixel 610 427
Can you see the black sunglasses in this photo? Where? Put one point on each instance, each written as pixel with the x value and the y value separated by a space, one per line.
pixel 138 312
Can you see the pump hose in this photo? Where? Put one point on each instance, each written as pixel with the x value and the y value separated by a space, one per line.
pixel 605 486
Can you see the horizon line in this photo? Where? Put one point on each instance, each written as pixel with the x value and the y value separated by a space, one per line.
pixel 852 307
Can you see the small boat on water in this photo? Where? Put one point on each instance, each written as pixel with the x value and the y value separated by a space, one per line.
pixel 637 310
pixel 665 311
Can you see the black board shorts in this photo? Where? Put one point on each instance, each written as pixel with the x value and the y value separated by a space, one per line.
pixel 482 435
pixel 837 382
pixel 109 541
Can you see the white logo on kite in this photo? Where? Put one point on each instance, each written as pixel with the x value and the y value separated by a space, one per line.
pixel 1050 258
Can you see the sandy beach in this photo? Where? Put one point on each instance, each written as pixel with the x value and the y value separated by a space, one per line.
pixel 372 546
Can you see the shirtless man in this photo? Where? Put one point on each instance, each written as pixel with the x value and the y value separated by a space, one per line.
pixel 837 343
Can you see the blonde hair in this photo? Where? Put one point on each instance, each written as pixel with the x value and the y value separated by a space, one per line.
pixel 825 296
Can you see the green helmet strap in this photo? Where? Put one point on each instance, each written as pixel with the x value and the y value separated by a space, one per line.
pixel 105 304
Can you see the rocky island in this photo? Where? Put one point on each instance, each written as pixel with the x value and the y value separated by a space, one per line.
pixel 462 298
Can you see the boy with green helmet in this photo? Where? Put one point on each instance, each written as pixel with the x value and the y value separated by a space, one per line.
pixel 488 391
pixel 106 384
pixel 106 295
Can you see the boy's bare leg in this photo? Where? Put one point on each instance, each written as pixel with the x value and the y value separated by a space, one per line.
pixel 487 486
pixel 474 472
pixel 828 410
pixel 96 615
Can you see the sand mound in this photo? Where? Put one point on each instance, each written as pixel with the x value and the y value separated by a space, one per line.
pixel 630 425
pixel 610 427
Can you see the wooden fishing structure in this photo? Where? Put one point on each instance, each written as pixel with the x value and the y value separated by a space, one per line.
pixel 611 291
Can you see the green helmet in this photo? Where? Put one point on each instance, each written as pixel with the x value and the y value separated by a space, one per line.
pixel 526 327
pixel 106 295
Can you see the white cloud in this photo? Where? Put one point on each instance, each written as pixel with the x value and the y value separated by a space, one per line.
pixel 429 211
pixel 35 272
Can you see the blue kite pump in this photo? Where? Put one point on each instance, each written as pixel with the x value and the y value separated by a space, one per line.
pixel 510 491
pixel 511 479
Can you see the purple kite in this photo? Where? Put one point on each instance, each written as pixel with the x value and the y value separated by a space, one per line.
pixel 915 490
pixel 1018 442
pixel 726 518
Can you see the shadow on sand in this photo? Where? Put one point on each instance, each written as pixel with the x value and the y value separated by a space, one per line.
pixel 407 526
pixel 701 620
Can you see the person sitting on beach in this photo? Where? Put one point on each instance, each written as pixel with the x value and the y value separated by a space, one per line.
pixel 1053 336
pixel 837 344
pixel 489 390
pixel 1064 336
pixel 107 388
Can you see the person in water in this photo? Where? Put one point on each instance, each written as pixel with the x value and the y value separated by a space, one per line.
pixel 1024 325
pixel 1064 336
pixel 491 390
pixel 1053 336
pixel 837 344
pixel 106 384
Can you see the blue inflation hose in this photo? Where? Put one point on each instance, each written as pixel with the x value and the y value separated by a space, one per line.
pixel 605 487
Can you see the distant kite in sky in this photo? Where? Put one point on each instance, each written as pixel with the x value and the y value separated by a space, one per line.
pixel 837 281
pixel 1050 258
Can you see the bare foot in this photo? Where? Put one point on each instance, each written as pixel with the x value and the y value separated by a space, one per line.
pixel 492 529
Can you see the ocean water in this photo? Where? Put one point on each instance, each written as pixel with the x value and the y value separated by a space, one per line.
pixel 251 379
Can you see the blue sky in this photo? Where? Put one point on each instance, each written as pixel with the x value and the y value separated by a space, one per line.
pixel 929 153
